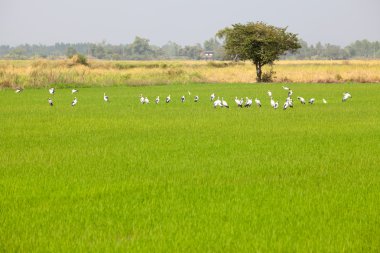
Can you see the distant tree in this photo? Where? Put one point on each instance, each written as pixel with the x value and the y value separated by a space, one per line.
pixel 140 48
pixel 318 49
pixel 18 53
pixel 303 52
pixel 334 52
pixel 171 50
pixel 192 52
pixel 214 45
pixel 258 42
pixel 116 57
pixel 211 44
pixel 4 50
pixel 70 52
pixel 156 52
pixel 364 49
pixel 376 49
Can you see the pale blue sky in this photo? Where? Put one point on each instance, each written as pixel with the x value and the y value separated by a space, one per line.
pixel 183 21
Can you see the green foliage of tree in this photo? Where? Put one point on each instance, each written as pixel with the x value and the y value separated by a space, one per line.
pixel 98 51
pixel 214 45
pixel 192 52
pixel 17 53
pixel 171 50
pixel 71 51
pixel 211 44
pixel 364 49
pixel 140 47
pixel 258 42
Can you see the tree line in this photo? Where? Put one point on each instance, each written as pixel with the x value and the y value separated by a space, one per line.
pixel 142 49
pixel 360 49
pixel 139 49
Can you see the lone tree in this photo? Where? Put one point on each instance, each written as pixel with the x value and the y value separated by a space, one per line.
pixel 258 42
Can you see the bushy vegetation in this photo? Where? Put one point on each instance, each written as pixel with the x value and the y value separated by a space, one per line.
pixel 268 76
pixel 79 59
pixel 126 177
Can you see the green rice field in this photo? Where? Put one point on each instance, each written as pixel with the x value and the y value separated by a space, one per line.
pixel 185 177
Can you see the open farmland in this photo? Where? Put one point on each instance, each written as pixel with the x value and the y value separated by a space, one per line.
pixel 64 73
pixel 181 177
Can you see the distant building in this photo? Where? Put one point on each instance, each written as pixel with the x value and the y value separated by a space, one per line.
pixel 207 55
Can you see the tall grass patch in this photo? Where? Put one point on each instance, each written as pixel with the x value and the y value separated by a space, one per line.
pixel 44 73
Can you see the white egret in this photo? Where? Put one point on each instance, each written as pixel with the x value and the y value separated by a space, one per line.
pixel 238 102
pixel 286 105
pixel 50 102
pixel 346 96
pixel 183 99
pixel 272 102
pixel 311 101
pixel 196 98
pixel 51 90
pixel 302 100
pixel 248 102
pixel 105 97
pixel 74 91
pixel 258 102
pixel 157 99
pixel 324 101
pixel 290 101
pixel 168 99
pixel 212 97
pixel 75 101
pixel 224 103
pixel 217 103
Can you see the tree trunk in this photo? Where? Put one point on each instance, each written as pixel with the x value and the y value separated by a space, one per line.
pixel 258 72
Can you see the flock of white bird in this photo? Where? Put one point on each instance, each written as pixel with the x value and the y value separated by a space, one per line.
pixel 248 101
pixel 52 92
pixel 75 100
pixel 216 102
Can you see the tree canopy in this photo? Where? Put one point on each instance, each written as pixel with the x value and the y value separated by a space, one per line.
pixel 259 42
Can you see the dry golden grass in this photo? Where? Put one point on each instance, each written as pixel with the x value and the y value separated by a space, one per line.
pixel 43 73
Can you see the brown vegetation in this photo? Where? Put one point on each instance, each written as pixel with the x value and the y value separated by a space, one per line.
pixel 44 73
